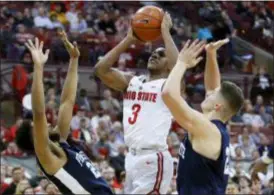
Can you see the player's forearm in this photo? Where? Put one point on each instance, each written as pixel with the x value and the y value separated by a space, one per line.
pixel 105 64
pixel 70 85
pixel 37 91
pixel 171 49
pixel 172 87
pixel 212 72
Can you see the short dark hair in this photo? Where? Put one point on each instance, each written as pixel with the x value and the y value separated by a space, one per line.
pixel 15 169
pixel 24 139
pixel 233 95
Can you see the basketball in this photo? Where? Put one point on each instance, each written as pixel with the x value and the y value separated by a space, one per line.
pixel 146 23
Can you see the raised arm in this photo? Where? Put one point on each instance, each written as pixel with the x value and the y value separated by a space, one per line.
pixel 212 72
pixel 69 91
pixel 171 48
pixel 40 129
pixel 110 76
pixel 191 120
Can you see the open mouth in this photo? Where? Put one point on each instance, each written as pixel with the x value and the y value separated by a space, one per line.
pixel 153 60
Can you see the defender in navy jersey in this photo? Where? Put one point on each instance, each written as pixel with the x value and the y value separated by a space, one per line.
pixel 67 166
pixel 204 151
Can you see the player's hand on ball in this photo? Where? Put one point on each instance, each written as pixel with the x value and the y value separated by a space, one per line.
pixel 189 55
pixel 38 56
pixel 72 49
pixel 166 22
pixel 130 36
pixel 213 47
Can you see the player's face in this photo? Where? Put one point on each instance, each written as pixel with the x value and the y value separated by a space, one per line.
pixel 157 60
pixel 214 101
pixel 209 102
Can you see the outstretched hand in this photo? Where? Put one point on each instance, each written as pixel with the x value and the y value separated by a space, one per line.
pixel 72 49
pixel 189 55
pixel 166 22
pixel 38 56
pixel 214 46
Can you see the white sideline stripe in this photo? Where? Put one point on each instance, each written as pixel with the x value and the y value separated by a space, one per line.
pixel 70 182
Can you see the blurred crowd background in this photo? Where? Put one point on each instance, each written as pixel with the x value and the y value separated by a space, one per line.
pixel 97 27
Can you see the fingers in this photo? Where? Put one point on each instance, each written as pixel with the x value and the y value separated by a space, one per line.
pixel 36 43
pixel 31 44
pixel 220 43
pixel 47 52
pixel 186 45
pixel 28 46
pixel 41 46
pixel 198 60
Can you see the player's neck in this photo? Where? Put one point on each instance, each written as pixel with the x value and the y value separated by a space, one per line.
pixel 213 115
pixel 154 75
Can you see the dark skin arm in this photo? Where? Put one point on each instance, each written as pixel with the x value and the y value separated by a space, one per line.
pixel 50 162
pixel 69 91
pixel 110 76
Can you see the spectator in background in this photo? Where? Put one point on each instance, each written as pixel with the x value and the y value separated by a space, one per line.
pixel 9 135
pixel 109 103
pixel 59 11
pixel 114 144
pixel 118 161
pixel 43 35
pixel 256 135
pixel 102 148
pixel 244 185
pixel 18 18
pixel 17 176
pixel 259 103
pixel 245 134
pixel 35 8
pixel 266 117
pixel 117 127
pixel 82 99
pixel 239 155
pixel 82 24
pixel 20 39
pixel 264 145
pixel 28 19
pixel 22 185
pixel 75 121
pixel 107 25
pixel 84 133
pixel 262 85
pixel 56 23
pixel 72 17
pixel 28 190
pixel 42 20
pixel 51 189
pixel 247 147
pixel 251 118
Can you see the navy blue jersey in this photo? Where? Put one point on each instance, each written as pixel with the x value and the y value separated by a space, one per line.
pixel 198 175
pixel 78 175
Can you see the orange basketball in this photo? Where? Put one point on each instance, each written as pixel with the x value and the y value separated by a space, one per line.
pixel 146 23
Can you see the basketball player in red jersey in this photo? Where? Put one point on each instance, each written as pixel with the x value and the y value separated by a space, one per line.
pixel 146 119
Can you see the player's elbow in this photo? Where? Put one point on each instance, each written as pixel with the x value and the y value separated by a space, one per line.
pixel 168 97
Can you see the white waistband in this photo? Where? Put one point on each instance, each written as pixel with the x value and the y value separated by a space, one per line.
pixel 142 151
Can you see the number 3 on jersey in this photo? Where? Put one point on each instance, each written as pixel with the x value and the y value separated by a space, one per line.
pixel 135 111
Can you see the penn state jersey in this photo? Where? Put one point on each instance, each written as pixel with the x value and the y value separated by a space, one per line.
pixel 146 118
pixel 78 175
pixel 200 175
